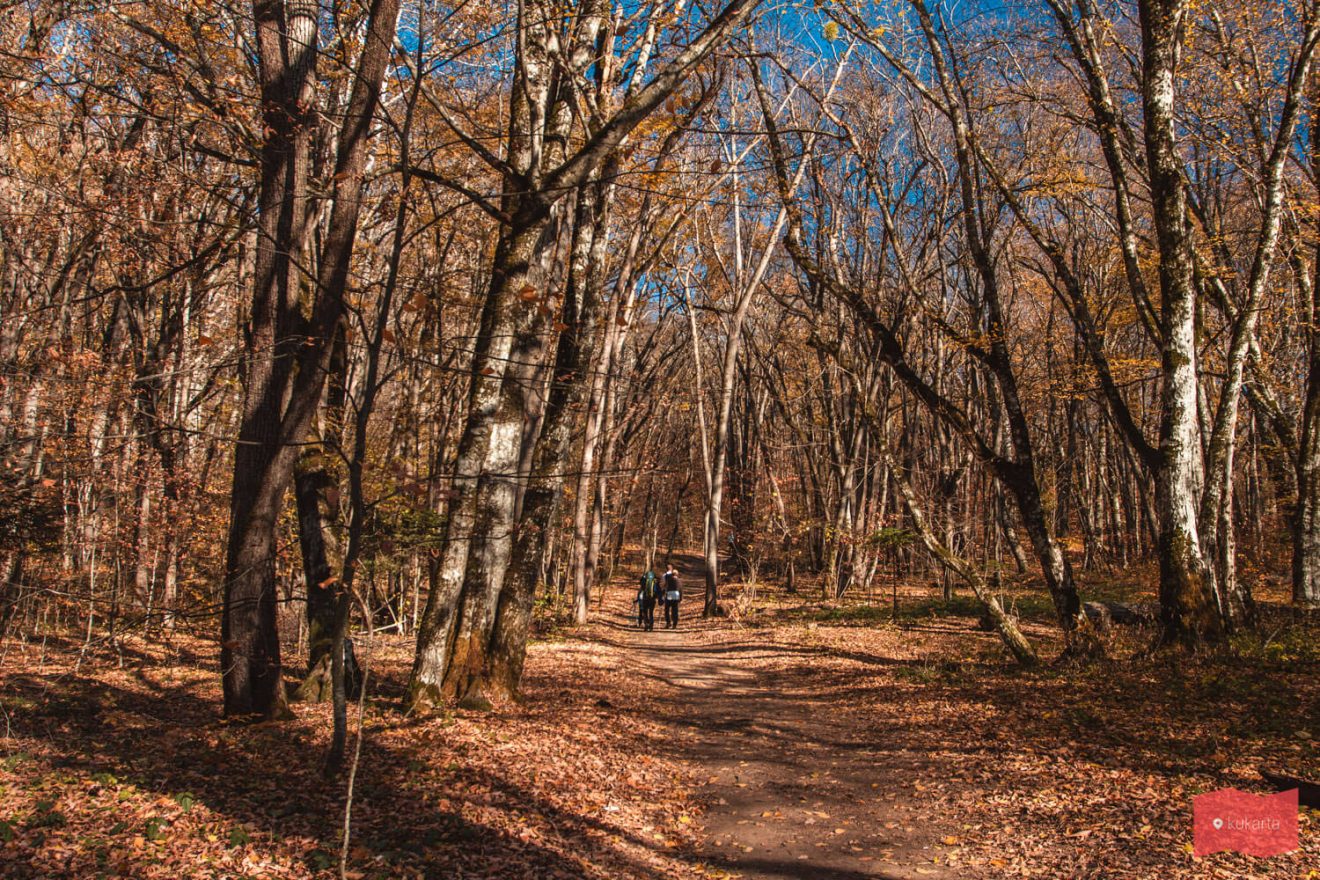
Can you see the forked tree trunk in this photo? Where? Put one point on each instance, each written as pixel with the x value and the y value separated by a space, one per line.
pixel 496 499
pixel 481 512
pixel 249 638
pixel 281 402
pixel 573 358
pixel 436 634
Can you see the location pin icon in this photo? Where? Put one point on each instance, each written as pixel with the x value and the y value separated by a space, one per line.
pixel 1218 823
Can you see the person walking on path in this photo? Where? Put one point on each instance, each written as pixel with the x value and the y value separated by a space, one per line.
pixel 673 594
pixel 648 591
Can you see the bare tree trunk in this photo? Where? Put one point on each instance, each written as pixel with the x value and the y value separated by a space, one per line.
pixel 677 517
pixel 1216 509
pixel 583 573
pixel 573 359
pixel 435 637
pixel 317 482
pixel 728 374
pixel 452 649
pixel 1306 515
pixel 1306 518
pixel 1007 627
pixel 249 639
pixel 281 402
pixel 11 580
pixel 1187 610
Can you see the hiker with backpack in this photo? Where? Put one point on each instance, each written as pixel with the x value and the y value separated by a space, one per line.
pixel 673 594
pixel 648 591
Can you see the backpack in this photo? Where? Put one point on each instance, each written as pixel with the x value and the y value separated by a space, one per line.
pixel 649 590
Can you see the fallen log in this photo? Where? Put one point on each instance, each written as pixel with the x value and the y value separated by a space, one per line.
pixel 1308 793
pixel 1106 614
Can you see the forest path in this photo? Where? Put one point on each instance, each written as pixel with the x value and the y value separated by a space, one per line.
pixel 795 787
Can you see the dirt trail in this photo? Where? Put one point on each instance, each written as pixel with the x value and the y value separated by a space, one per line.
pixel 795 788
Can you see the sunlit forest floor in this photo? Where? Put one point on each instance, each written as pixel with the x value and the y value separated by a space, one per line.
pixel 794 738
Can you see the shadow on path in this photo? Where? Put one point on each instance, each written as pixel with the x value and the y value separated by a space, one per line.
pixel 794 787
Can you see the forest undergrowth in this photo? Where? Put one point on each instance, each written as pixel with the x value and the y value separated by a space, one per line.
pixel 117 763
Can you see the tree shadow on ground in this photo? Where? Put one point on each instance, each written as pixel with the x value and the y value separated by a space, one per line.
pixel 794 870
pixel 263 783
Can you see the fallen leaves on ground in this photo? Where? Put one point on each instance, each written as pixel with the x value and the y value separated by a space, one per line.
pixel 130 771
pixel 116 763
